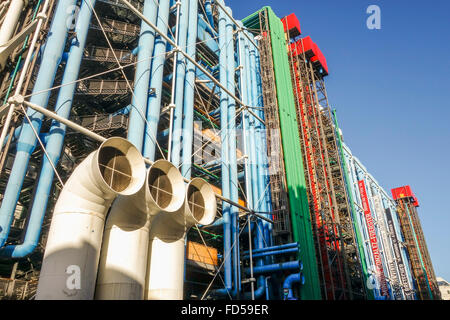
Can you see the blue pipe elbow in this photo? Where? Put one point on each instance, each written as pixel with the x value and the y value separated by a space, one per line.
pixel 260 289
pixel 209 14
pixel 288 283
pixel 271 253
pixel 272 268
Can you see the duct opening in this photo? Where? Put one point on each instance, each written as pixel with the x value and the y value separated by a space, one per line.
pixel 196 202
pixel 115 168
pixel 160 187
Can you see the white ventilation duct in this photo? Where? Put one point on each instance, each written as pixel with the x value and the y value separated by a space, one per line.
pixel 123 261
pixel 12 17
pixel 164 279
pixel 69 267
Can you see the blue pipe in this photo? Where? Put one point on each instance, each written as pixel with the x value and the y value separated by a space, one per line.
pixel 226 208
pixel 214 112
pixel 260 289
pixel 55 139
pixel 156 82
pixel 179 85
pixel 271 253
pixel 273 248
pixel 16 136
pixel 289 281
pixel 231 66
pixel 245 97
pixel 249 122
pixel 259 152
pixel 267 287
pixel 136 125
pixel 265 160
pixel 136 50
pixel 188 121
pixel 275 267
pixel 43 136
pixel 260 204
pixel 27 140
pixel 208 11
pixel 125 110
pixel 204 26
pixel 187 104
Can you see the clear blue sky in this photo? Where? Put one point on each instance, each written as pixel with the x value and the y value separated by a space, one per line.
pixel 391 90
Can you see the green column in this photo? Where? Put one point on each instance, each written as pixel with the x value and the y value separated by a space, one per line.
pixel 295 178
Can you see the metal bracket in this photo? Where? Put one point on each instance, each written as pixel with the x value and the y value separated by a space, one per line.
pixel 7 48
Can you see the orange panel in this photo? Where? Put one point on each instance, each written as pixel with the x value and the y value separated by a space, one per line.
pixel 198 252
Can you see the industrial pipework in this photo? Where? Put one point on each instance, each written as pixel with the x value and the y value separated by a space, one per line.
pixel 191 61
pixel 76 230
pixel 166 247
pixel 123 262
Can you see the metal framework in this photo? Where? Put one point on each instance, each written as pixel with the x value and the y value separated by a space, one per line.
pixel 280 207
pixel 421 265
pixel 330 210
pixel 102 94
pixel 103 88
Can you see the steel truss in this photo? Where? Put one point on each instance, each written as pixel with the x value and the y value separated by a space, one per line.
pixel 335 241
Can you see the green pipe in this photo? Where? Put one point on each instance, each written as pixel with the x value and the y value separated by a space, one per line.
pixel 215 236
pixel 356 227
pixel 199 114
pixel 206 171
pixel 205 60
pixel 295 178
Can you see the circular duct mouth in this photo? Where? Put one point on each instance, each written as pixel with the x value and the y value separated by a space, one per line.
pixel 160 187
pixel 196 202
pixel 201 201
pixel 166 185
pixel 121 165
pixel 115 168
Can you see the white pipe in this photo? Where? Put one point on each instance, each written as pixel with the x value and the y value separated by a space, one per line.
pixel 17 100
pixel 164 279
pixel 191 59
pixel 3 8
pixel 174 80
pixel 123 261
pixel 11 19
pixel 69 267
pixel 41 16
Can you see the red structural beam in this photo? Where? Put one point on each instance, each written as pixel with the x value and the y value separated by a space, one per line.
pixel 315 165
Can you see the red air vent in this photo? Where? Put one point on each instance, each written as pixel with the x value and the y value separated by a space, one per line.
pixel 404 192
pixel 291 24
pixel 319 61
pixel 306 45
